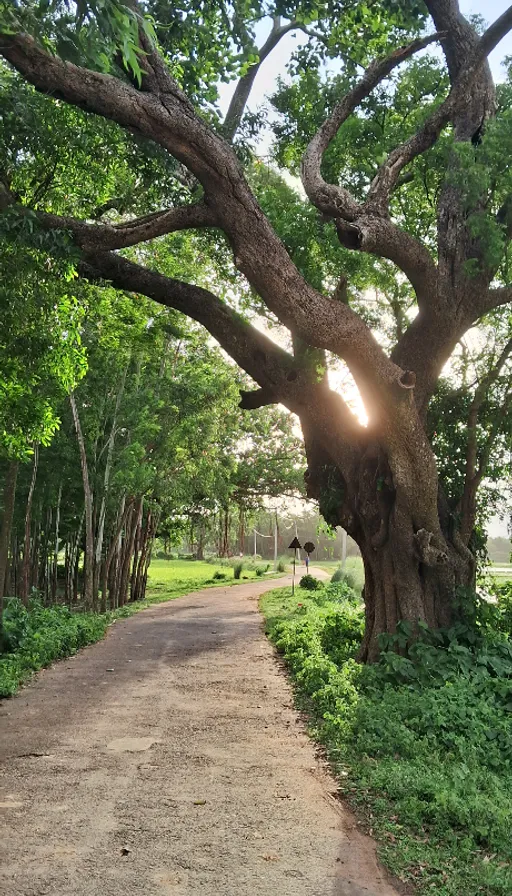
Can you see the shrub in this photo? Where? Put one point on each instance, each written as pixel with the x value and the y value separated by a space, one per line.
pixel 281 564
pixel 237 569
pixel 340 575
pixel 261 570
pixel 423 740
pixel 310 583
pixel 35 636
pixel 218 576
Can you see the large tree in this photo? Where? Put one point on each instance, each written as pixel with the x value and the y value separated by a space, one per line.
pixel 379 481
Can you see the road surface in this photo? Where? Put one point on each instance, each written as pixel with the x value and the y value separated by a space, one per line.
pixel 168 760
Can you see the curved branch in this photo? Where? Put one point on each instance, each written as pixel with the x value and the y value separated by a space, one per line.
pixel 330 199
pixel 381 237
pixel 385 180
pixel 131 233
pixel 169 119
pixel 243 88
pixel 493 298
pixel 120 236
pixel 276 371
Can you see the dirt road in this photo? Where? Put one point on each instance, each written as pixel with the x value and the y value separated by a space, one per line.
pixel 167 760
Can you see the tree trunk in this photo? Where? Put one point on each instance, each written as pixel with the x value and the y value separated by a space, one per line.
pixel 411 574
pixel 241 530
pixel 5 533
pixel 25 573
pixel 106 485
pixel 200 540
pixel 55 570
pixel 88 588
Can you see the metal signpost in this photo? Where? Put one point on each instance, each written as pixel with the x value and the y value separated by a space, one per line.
pixel 294 546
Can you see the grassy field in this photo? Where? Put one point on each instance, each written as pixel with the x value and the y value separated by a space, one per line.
pixel 170 575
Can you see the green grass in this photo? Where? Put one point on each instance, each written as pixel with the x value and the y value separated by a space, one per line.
pixel 422 747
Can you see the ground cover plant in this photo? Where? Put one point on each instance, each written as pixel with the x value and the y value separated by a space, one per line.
pixel 421 742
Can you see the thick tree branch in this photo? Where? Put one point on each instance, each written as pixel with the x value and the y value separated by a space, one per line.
pixel 169 119
pixel 280 376
pixel 493 298
pixel 107 237
pixel 329 198
pixel 381 237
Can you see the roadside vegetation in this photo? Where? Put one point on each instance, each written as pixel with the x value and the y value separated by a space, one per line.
pixel 421 742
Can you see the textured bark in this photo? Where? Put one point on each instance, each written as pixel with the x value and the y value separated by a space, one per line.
pixel 411 574
pixel 88 587
pixel 5 532
pixel 26 568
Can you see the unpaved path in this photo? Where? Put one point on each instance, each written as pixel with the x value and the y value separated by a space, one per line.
pixel 167 760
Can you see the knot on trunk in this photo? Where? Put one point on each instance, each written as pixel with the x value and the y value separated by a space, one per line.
pixel 428 553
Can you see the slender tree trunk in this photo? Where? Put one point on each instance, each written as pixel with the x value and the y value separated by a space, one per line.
pixel 5 533
pixel 128 545
pixel 25 572
pixel 137 547
pixel 75 567
pixel 200 540
pixel 88 588
pixel 241 530
pixel 106 484
pixel 55 569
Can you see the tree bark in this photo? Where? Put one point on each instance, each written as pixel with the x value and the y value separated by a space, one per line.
pixel 411 573
pixel 88 587
pixel 5 533
pixel 25 573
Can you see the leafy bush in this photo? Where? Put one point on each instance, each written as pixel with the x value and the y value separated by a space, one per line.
pixel 219 576
pixel 237 569
pixel 261 570
pixel 340 575
pixel 35 636
pixel 423 740
pixel 281 564
pixel 310 583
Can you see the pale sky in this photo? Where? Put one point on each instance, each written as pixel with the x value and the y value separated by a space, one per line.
pixel 274 66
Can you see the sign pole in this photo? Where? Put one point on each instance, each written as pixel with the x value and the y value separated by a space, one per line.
pixel 293 546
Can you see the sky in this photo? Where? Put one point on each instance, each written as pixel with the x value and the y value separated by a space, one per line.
pixel 275 66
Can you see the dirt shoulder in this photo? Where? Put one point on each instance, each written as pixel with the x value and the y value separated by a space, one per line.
pixel 168 759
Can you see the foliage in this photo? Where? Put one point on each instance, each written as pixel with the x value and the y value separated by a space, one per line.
pixel 37 635
pixel 341 575
pixel 237 569
pixel 421 742
pixel 310 583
